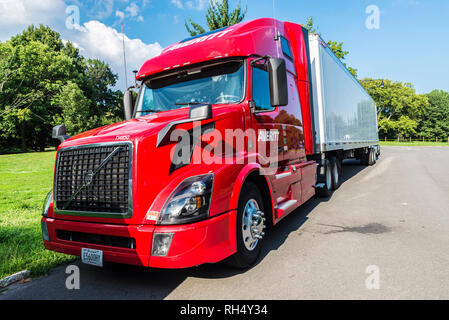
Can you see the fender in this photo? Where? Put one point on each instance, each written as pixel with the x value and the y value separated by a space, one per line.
pixel 241 178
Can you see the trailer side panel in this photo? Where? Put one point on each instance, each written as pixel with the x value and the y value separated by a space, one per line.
pixel 345 114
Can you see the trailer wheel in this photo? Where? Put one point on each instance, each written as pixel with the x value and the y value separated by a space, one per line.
pixel 371 157
pixel 335 164
pixel 324 186
pixel 364 158
pixel 250 227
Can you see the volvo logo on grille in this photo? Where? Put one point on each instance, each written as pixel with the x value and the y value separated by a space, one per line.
pixel 88 178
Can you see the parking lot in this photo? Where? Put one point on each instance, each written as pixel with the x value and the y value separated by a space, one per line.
pixel 383 235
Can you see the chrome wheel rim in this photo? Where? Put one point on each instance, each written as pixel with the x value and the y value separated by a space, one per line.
pixel 253 224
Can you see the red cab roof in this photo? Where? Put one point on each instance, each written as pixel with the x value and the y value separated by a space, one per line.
pixel 240 40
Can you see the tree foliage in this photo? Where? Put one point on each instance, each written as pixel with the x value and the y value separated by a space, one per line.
pixel 399 107
pixel 435 119
pixel 44 81
pixel 218 16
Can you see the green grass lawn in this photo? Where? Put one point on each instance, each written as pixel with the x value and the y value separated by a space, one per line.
pixel 25 180
pixel 414 143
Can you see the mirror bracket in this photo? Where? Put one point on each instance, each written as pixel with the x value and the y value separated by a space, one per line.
pixel 60 132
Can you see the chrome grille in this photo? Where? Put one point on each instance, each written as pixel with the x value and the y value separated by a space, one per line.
pixel 94 179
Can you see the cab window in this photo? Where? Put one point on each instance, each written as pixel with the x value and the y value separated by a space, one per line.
pixel 286 48
pixel 261 89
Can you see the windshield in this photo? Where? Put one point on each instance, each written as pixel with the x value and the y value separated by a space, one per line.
pixel 215 84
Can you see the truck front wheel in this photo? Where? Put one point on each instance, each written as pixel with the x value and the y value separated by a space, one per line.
pixel 250 227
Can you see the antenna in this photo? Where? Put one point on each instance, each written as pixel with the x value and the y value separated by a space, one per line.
pixel 124 59
pixel 276 34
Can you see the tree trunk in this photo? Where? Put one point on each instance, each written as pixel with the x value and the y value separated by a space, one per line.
pixel 23 138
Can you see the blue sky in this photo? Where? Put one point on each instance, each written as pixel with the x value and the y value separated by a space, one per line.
pixel 410 46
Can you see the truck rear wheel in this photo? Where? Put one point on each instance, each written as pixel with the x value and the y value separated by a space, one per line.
pixel 336 172
pixel 364 157
pixel 250 227
pixel 324 185
pixel 371 157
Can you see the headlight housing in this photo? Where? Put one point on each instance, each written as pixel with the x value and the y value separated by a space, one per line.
pixel 189 202
pixel 47 202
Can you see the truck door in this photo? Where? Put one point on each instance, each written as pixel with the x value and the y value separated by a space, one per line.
pixel 281 126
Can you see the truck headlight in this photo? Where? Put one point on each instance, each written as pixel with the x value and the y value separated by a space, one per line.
pixel 47 202
pixel 189 202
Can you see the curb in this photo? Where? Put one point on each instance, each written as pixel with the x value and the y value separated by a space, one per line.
pixel 14 278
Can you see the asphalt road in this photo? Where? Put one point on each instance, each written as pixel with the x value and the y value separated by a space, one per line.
pixel 390 220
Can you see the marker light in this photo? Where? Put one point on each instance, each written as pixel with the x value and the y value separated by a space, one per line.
pixel 45 231
pixel 47 202
pixel 161 244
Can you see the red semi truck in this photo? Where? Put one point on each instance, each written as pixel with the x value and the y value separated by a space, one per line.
pixel 231 131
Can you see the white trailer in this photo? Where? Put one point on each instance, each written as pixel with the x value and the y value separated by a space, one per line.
pixel 344 114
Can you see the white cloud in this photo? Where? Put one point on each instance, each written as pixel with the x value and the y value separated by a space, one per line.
pixel 94 39
pixel 177 3
pixel 133 9
pixel 120 14
pixel 198 4
pixel 15 15
pixel 102 8
pixel 105 43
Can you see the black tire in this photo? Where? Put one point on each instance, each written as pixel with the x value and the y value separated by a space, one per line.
pixel 325 180
pixel 335 165
pixel 364 159
pixel 371 157
pixel 245 258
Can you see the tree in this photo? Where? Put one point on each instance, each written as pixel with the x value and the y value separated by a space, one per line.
pixel 435 119
pixel 336 47
pixel 75 113
pixel 399 107
pixel 217 17
pixel 43 81
pixel 310 25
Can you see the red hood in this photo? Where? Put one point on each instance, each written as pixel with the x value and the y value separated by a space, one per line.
pixel 152 175
pixel 134 129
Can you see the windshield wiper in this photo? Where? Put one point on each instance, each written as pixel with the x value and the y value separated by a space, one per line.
pixel 189 103
pixel 142 111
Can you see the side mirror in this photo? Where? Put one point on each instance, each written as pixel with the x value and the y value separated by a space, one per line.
pixel 128 104
pixel 60 133
pixel 277 74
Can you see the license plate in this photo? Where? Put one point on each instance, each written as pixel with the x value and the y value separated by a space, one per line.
pixel 92 257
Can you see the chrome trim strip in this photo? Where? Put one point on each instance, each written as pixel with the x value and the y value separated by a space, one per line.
pixel 120 215
pixel 283 175
pixel 287 205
